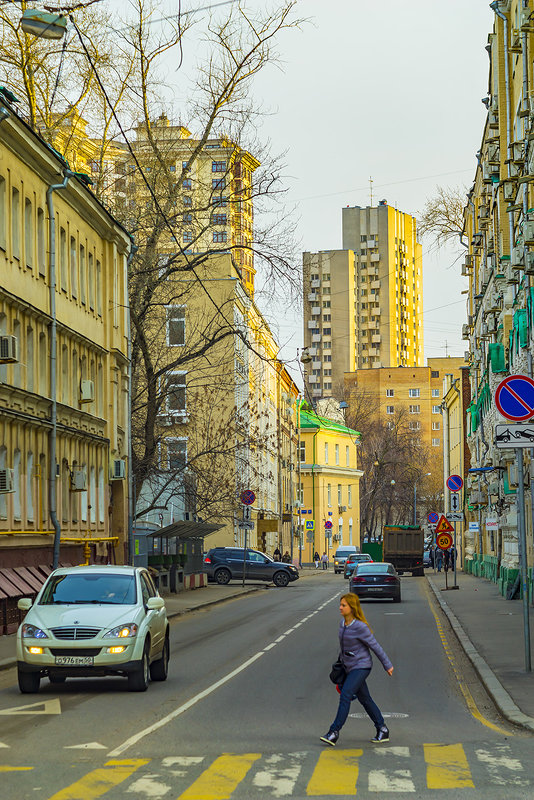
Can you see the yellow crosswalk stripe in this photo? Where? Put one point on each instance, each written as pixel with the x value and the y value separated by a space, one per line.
pixel 221 778
pixel 447 767
pixel 6 768
pixel 336 772
pixel 99 781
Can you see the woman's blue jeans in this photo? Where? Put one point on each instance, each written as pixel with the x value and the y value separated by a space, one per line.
pixel 355 684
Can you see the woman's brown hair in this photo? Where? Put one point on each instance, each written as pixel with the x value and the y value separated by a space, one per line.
pixel 353 601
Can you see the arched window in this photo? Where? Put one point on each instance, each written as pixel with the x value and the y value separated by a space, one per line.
pixel 43 364
pixel 16 479
pixel 92 494
pixel 16 367
pixel 64 491
pixel 101 495
pixel 29 487
pixel 29 359
pixel 64 374
pixel 43 486
pixel 84 500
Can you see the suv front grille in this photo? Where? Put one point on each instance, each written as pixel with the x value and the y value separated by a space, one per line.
pixel 75 632
pixel 75 651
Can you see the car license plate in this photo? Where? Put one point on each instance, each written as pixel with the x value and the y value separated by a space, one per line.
pixel 74 661
pixel 374 588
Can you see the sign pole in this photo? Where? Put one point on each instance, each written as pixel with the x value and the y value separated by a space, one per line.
pixel 454 563
pixel 523 553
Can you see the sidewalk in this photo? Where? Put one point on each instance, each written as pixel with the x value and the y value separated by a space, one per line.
pixel 177 604
pixel 490 630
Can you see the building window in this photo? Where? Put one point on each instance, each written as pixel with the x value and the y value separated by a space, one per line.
pixel 435 442
pixel 349 495
pixel 329 494
pixel 347 456
pixel 28 232
pixel 303 452
pixel 176 454
pixel 83 276
pixel 91 281
pixel 187 217
pixel 188 236
pixel 63 257
pixel 414 393
pixel 415 426
pixel 326 303
pixel 435 392
pixel 415 409
pixel 326 452
pixel 327 346
pixel 187 183
pixel 219 236
pixel 219 219
pixel 218 184
pixel 327 385
pixel 390 409
pixel 187 201
pixel 436 426
pixel 436 409
pixel 218 166
pixel 15 222
pixel 327 358
pixel 390 393
pixel 175 326
pixel 434 373
pixel 176 392
pixel 336 449
pixel 327 331
pixel 2 214
pixel 327 317
pixel 339 494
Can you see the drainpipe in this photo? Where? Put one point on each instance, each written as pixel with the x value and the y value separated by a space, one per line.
pixel 131 499
pixel 53 366
pixel 495 7
pixel 313 484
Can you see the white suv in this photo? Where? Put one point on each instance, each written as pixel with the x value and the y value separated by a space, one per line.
pixel 94 621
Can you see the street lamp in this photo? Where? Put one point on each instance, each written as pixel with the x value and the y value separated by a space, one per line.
pixel 415 495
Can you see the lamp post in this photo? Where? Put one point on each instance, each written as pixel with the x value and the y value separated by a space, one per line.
pixel 415 495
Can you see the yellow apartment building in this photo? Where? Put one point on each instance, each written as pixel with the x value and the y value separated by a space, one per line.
pixel 416 393
pixel 363 304
pixel 456 455
pixel 64 418
pixel 328 484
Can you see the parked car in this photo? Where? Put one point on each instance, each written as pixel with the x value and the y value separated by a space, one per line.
pixel 223 564
pixel 94 621
pixel 426 558
pixel 341 555
pixel 351 562
pixel 377 579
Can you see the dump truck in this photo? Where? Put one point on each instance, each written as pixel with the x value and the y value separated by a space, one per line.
pixel 403 547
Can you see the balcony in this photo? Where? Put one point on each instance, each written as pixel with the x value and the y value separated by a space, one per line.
pixel 313 379
pixel 375 256
pixel 316 393
pixel 312 351
pixel 316 364
pixel 312 297
pixel 315 311
pixel 375 284
pixel 316 337
pixel 312 323
pixel 376 338
pixel 315 284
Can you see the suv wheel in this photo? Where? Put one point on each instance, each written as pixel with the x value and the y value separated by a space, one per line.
pixel 138 680
pixel 280 578
pixel 160 668
pixel 222 576
pixel 29 682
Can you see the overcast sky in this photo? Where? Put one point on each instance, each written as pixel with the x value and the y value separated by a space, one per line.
pixel 387 89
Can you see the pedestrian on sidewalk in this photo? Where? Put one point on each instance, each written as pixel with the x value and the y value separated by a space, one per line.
pixel 277 555
pixel 439 559
pixel 286 558
pixel 356 642
pixel 432 556
pixel 316 558
pixel 324 561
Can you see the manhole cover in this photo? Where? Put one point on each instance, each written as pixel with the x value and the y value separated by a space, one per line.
pixel 389 714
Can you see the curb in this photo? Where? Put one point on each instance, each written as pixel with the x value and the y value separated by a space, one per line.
pixel 494 687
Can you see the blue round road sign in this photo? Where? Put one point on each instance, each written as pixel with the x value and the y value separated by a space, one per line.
pixel 328 524
pixel 454 483
pixel 514 398
pixel 247 497
pixel 433 518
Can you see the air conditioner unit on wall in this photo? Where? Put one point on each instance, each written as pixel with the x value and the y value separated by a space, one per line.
pixel 9 350
pixel 7 481
pixel 87 391
pixel 78 480
pixel 118 471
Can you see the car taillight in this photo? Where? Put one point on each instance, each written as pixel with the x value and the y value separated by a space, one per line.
pixel 207 560
pixel 389 579
pixel 358 580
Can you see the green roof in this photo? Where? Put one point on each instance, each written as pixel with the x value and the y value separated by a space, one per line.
pixel 308 419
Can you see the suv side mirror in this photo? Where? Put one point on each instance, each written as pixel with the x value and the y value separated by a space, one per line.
pixel 155 603
pixel 25 603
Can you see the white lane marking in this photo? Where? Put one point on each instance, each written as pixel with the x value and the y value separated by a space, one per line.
pixel 87 746
pixel 181 761
pixel 394 613
pixel 280 638
pixel 269 647
pixel 149 786
pixel 185 707
pixel 403 752
pixel 279 774
pixel 396 780
pixel 500 763
pixel 389 714
pixel 4 745
pixel 43 707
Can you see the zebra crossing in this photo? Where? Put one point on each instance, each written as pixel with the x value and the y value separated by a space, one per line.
pixel 333 772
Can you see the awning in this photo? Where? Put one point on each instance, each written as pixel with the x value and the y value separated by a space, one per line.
pixel 185 530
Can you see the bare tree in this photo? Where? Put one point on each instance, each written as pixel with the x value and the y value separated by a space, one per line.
pixel 442 216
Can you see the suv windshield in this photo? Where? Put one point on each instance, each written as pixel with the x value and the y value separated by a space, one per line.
pixel 84 589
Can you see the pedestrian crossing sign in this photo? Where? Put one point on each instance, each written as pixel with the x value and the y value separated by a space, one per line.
pixel 310 524
pixel 443 526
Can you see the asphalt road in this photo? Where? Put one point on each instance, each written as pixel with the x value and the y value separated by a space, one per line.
pixel 246 700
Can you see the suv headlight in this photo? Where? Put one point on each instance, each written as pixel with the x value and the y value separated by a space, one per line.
pixel 122 631
pixel 31 632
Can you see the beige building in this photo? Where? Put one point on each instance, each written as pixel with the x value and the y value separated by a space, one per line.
pixel 329 478
pixel 64 422
pixel 414 392
pixel 363 304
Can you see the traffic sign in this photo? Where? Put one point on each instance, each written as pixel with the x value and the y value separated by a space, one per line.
pixel 514 397
pixel 454 502
pixel 247 497
pixel 454 483
pixel 455 516
pixel 443 526
pixel 519 435
pixel 309 536
pixel 247 524
pixel 444 541
pixel 310 524
pixel 328 524
pixel 433 518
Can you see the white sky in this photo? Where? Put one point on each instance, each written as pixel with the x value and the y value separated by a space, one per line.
pixel 379 88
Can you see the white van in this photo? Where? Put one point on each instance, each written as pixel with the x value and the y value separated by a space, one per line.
pixel 341 555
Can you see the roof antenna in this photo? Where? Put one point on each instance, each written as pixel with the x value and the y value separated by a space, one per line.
pixel 371 188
